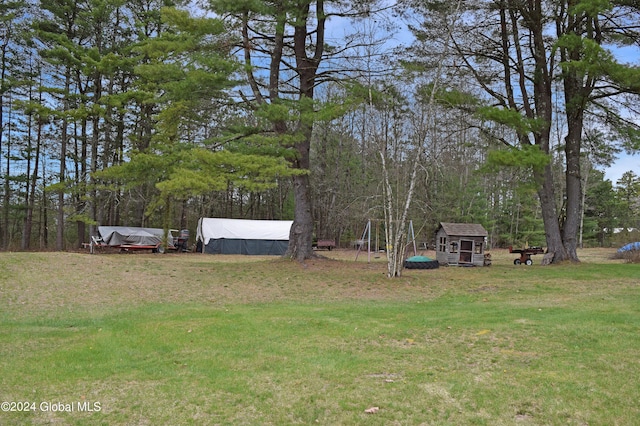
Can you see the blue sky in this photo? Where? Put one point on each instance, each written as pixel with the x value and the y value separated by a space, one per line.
pixel 629 55
pixel 624 164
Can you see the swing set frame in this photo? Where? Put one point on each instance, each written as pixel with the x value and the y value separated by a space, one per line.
pixel 366 239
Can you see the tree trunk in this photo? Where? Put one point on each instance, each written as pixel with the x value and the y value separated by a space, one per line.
pixel 549 214
pixel 29 189
pixel 63 166
pixel 26 235
pixel 28 226
pixel 81 184
pixel 578 85
pixel 543 83
pixel 300 236
pixel 7 189
pixel 571 224
pixel 44 209
pixel 394 228
pixel 63 155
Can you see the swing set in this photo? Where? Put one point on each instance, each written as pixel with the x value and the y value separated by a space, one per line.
pixel 366 239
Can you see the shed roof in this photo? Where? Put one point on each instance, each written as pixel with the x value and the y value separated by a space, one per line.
pixel 464 229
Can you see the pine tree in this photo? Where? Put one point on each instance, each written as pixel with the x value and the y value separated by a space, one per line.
pixel 509 56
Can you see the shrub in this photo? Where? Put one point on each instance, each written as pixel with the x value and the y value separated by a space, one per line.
pixel 632 256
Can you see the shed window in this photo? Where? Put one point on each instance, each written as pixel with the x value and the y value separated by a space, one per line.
pixel 442 244
pixel 478 248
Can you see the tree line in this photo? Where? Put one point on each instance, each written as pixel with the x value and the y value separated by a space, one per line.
pixel 158 112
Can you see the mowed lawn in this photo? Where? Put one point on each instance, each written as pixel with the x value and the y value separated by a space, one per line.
pixel 192 339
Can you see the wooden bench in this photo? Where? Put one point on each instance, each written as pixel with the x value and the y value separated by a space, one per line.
pixel 328 244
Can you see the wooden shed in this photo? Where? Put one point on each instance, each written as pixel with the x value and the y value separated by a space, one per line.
pixel 461 244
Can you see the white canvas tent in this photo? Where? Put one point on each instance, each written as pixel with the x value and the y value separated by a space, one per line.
pixel 242 236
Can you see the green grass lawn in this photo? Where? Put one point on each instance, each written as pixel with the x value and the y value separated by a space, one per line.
pixel 151 340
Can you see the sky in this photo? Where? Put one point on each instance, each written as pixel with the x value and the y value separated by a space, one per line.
pixel 624 164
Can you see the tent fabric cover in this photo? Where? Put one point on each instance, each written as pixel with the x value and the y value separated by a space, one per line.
pixel 125 235
pixel 630 247
pixel 243 236
pixel 249 247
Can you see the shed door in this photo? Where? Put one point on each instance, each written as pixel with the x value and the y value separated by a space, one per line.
pixel 466 251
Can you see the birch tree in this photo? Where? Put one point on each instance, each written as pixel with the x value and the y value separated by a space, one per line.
pixel 396 208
